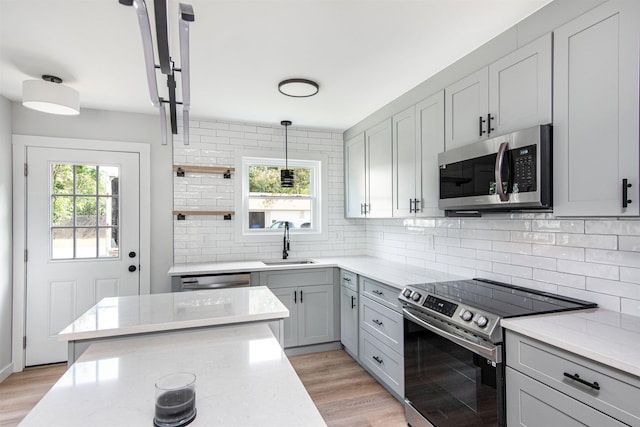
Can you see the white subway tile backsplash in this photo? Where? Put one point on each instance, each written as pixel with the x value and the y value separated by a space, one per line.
pixel 629 243
pixel 589 269
pixel 564 226
pixel 629 274
pixel 587 241
pixel 532 237
pixel 575 254
pixel 619 227
pixel 560 279
pixel 513 270
pixel 614 287
pixel 511 247
pixel 627 259
pixel 630 306
pixel 534 261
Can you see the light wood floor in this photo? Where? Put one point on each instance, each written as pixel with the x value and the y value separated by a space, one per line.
pixel 345 394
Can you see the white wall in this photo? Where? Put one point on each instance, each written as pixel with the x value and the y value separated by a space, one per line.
pixel 118 126
pixel 211 238
pixel 6 258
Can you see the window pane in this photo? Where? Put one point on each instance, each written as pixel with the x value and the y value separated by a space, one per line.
pixel 108 177
pixel 86 211
pixel 62 179
pixel 108 243
pixel 274 212
pixel 108 210
pixel 62 243
pixel 86 179
pixel 86 242
pixel 62 211
pixel 266 180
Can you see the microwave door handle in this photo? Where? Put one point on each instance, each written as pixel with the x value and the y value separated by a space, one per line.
pixel 498 172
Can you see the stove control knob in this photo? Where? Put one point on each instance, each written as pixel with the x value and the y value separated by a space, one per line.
pixel 482 321
pixel 406 293
pixel 466 315
pixel 416 296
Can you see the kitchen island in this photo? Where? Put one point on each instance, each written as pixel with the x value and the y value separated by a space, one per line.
pixel 118 318
pixel 243 379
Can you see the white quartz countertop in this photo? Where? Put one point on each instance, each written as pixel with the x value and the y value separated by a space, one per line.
pixel 605 336
pixel 243 379
pixel 179 310
pixel 388 272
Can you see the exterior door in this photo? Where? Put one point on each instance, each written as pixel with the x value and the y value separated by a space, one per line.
pixel 83 239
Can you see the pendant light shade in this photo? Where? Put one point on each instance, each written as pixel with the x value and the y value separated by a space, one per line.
pixel 49 95
pixel 287 176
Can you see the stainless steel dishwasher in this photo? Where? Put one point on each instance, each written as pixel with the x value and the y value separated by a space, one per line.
pixel 210 281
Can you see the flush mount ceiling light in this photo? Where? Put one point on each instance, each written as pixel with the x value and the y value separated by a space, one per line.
pixel 49 95
pixel 298 88
pixel 167 66
pixel 287 177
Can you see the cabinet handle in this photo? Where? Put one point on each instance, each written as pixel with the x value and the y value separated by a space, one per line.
pixel 377 359
pixel 353 301
pixel 361 208
pixel 480 122
pixel 625 200
pixel 367 208
pixel 411 206
pixel 377 322
pixel 377 292
pixel 301 297
pixel 576 377
pixel 416 208
pixel 489 128
pixel 347 279
pixel 295 294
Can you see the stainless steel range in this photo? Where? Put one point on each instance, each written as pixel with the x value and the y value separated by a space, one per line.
pixel 454 372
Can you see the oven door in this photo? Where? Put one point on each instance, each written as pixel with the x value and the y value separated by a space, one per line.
pixel 450 381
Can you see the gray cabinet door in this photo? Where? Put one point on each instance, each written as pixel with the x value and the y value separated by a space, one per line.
pixel 354 177
pixel 430 134
pixel 289 297
pixel 595 109
pixel 466 101
pixel 405 167
pixel 378 170
pixel 520 88
pixel 533 404
pixel 349 319
pixel 316 314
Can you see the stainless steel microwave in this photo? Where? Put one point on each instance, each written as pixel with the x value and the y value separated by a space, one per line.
pixel 508 172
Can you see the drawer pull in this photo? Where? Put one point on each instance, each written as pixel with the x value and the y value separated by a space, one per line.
pixel 379 360
pixel 353 302
pixel 347 279
pixel 576 377
pixel 377 292
pixel 377 322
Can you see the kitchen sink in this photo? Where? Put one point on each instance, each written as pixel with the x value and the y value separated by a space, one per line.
pixel 288 262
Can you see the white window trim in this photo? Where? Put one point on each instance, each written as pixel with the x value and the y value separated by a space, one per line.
pixel 242 235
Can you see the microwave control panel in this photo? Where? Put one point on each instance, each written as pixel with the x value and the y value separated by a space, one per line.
pixel 524 169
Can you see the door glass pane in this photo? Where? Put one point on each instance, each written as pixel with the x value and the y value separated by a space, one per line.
pixel 62 179
pixel 62 239
pixel 86 242
pixel 84 211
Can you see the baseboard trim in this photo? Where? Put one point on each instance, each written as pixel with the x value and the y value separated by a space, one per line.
pixel 316 348
pixel 6 371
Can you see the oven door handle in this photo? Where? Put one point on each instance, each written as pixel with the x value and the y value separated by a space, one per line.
pixel 491 353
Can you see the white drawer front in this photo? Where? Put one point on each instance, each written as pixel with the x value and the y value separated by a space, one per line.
pixel 349 279
pixel 383 361
pixel 385 295
pixel 383 323
pixel 618 394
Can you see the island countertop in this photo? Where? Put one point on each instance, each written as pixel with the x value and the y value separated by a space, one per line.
pixel 243 379
pixel 142 314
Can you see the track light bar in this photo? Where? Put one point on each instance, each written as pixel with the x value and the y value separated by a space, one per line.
pixel 147 48
pixel 162 35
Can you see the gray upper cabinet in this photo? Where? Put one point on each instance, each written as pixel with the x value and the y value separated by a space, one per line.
pixel 354 176
pixel 510 94
pixel 596 112
pixel 467 103
pixel 418 137
pixel 368 187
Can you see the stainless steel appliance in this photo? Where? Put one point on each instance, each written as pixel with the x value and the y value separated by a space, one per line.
pixel 210 281
pixel 508 172
pixel 453 348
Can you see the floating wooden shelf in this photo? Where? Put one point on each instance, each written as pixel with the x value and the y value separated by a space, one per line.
pixel 183 213
pixel 181 169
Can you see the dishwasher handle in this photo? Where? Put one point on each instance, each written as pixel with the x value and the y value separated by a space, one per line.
pixel 195 285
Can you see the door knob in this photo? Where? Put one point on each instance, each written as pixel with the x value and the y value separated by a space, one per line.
pixel 132 268
pixel 132 254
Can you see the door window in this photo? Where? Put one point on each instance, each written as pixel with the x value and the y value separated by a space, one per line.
pixel 84 214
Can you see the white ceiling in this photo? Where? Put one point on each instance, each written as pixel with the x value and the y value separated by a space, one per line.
pixel 363 53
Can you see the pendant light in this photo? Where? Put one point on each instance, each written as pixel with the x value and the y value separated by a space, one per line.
pixel 286 174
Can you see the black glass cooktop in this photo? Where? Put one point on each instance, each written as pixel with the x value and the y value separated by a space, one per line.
pixel 502 299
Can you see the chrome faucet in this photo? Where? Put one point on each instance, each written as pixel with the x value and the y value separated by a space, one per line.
pixel 286 241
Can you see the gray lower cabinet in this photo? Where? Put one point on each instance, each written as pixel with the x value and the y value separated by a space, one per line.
pixel 312 303
pixel 349 311
pixel 548 386
pixel 381 334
